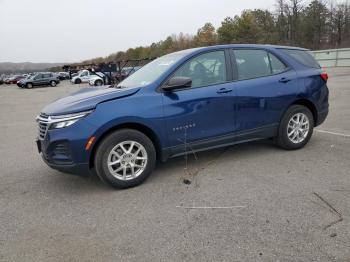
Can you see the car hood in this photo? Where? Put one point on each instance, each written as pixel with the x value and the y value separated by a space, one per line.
pixel 86 99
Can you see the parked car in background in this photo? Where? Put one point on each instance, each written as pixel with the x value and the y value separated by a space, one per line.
pixel 195 99
pixel 63 75
pixel 83 76
pixel 2 79
pixel 8 79
pixel 39 79
pixel 97 79
pixel 125 72
pixel 14 79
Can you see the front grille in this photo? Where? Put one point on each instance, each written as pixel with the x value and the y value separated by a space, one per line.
pixel 43 125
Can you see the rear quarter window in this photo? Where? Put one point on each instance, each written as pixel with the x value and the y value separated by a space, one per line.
pixel 302 56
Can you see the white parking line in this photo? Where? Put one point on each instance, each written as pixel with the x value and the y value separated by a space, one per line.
pixel 227 207
pixel 332 133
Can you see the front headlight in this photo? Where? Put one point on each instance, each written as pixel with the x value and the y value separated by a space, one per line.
pixel 67 120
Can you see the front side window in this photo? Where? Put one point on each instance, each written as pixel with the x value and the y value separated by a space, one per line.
pixel 37 77
pixel 84 74
pixel 205 70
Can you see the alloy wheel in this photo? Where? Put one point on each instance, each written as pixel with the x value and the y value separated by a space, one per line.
pixel 127 160
pixel 298 128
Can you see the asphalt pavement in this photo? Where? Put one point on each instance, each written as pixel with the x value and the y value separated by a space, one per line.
pixel 249 202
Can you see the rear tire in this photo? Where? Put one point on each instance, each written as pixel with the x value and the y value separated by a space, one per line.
pixel 125 158
pixel 98 83
pixel 296 128
pixel 53 83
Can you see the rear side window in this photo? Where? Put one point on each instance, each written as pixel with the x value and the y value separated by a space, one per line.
pixel 46 75
pixel 302 56
pixel 256 63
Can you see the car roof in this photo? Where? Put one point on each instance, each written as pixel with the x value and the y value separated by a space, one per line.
pixel 245 46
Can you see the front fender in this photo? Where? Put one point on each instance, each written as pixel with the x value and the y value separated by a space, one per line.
pixel 141 110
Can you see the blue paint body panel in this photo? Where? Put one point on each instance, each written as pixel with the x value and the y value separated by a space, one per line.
pixel 203 117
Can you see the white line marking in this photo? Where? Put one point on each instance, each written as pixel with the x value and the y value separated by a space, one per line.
pixel 227 207
pixel 332 133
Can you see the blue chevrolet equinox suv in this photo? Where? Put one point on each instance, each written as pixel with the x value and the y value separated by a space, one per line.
pixel 192 100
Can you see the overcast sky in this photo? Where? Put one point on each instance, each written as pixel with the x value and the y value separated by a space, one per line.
pixel 74 30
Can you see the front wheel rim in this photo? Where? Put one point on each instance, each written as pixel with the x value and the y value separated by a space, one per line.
pixel 298 128
pixel 127 160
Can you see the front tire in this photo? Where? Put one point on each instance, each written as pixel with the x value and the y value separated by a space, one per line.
pixel 77 81
pixel 125 158
pixel 29 85
pixel 53 83
pixel 296 128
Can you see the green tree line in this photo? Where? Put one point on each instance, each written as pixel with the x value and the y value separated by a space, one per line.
pixel 316 24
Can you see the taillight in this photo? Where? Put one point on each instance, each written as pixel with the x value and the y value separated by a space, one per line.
pixel 324 76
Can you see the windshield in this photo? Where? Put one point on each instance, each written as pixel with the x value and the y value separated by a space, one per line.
pixel 150 72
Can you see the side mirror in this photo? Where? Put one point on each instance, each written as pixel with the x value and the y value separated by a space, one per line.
pixel 177 82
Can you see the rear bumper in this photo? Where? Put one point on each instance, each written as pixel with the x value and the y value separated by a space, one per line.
pixel 322 117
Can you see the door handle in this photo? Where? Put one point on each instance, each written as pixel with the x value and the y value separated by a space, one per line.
pixel 285 80
pixel 224 90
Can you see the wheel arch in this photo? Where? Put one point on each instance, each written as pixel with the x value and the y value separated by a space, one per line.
pixel 98 79
pixel 132 125
pixel 303 102
pixel 309 105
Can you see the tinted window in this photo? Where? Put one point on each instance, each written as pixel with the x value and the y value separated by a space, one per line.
pixel 84 74
pixel 276 65
pixel 206 69
pixel 252 63
pixel 302 56
pixel 46 75
pixel 38 77
pixel 257 63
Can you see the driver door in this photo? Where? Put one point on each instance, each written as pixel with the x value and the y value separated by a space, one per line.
pixel 84 76
pixel 204 112
pixel 38 80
